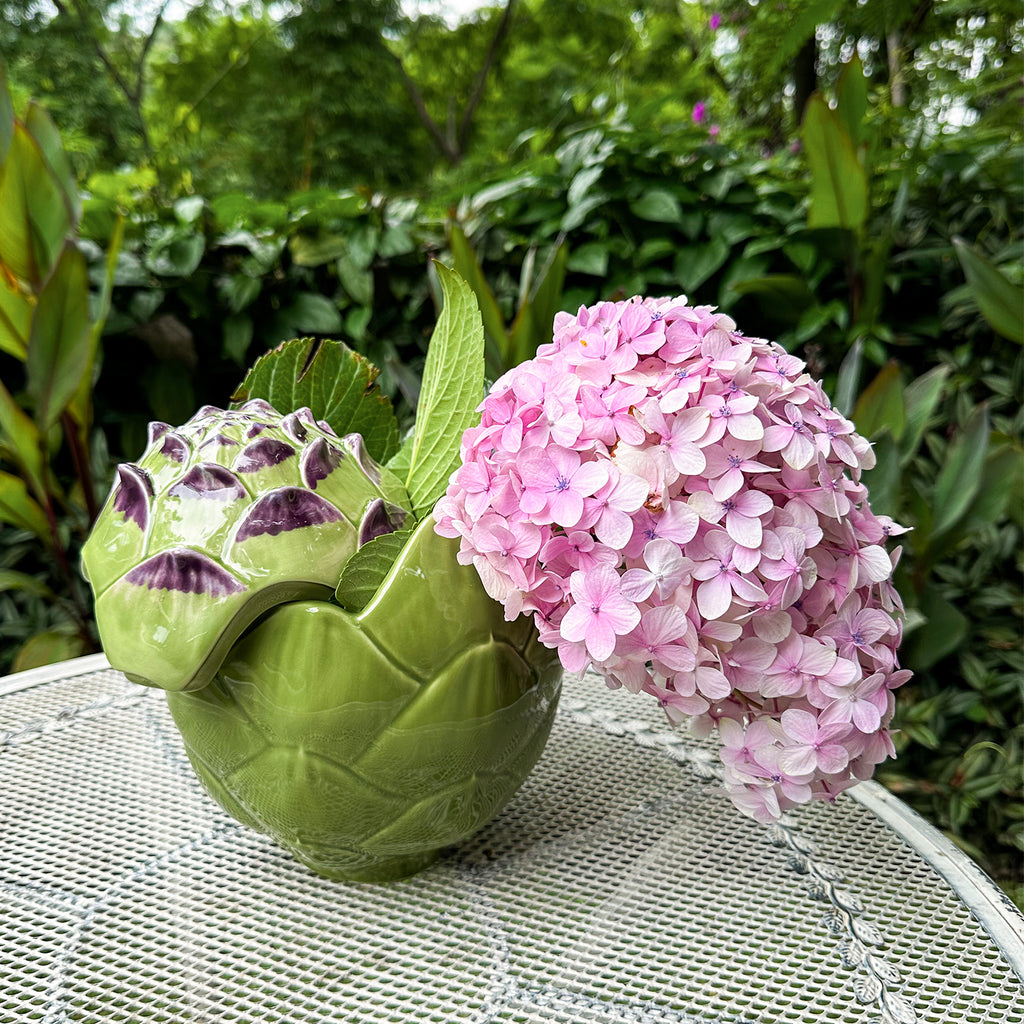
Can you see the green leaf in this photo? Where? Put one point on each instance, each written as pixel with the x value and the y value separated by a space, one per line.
pixel 942 633
pixel 1001 481
pixel 365 570
pixel 453 380
pixel 960 477
pixel 310 313
pixel 315 252
pixel 852 98
pixel 591 258
pixel 696 263
pixel 59 348
pixel 467 266
pixel 45 133
pixel 839 188
pixel 885 481
pixel 178 255
pixel 15 320
pixel 1001 302
pixel 6 113
pixel 335 383
pixel 47 649
pixel 848 377
pixel 356 280
pixel 237 338
pixel 921 397
pixel 22 437
pixel 10 579
pixel 547 300
pixel 34 215
pixel 18 508
pixel 658 205
pixel 881 406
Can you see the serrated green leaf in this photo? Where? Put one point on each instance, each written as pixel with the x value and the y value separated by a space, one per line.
pixel 18 508
pixel 365 570
pixel 453 381
pixel 1001 302
pixel 881 404
pixel 839 188
pixel 335 383
pixel 960 477
pixel 59 350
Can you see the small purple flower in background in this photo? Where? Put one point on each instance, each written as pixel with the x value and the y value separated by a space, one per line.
pixel 679 506
pixel 716 21
pixel 698 113
pixel 714 131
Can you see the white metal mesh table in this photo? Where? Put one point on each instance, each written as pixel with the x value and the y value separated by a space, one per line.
pixel 620 885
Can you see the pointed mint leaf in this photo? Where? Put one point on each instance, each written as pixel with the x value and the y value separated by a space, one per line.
pixel 453 383
pixel 366 568
pixel 335 383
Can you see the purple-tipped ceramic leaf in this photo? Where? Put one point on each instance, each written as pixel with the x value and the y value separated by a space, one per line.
pixel 356 445
pixel 319 461
pixel 256 429
pixel 207 480
pixel 174 447
pixel 287 508
pixel 262 454
pixel 258 405
pixel 292 426
pixel 157 429
pixel 219 441
pixel 185 570
pixel 132 494
pixel 381 517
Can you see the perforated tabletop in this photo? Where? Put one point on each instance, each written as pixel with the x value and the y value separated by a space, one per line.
pixel 620 885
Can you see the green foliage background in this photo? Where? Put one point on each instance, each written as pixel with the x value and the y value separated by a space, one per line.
pixel 845 179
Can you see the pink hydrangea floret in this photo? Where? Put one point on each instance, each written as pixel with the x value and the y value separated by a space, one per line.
pixel 680 507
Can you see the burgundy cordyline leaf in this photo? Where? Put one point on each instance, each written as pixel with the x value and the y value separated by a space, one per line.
pixel 207 480
pixel 175 447
pixel 354 443
pixel 319 461
pixel 381 517
pixel 261 454
pixel 287 508
pixel 187 571
pixel 134 489
pixel 157 429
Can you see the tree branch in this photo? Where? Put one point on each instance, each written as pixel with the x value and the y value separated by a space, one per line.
pixel 450 153
pixel 479 85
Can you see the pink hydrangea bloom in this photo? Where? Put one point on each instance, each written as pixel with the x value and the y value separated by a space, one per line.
pixel 679 506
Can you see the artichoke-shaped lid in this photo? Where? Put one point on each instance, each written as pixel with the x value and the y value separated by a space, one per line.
pixel 221 520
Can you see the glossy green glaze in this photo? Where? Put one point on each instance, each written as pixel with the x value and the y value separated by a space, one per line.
pixel 222 519
pixel 367 743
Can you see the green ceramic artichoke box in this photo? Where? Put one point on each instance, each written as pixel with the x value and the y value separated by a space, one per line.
pixel 339 680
